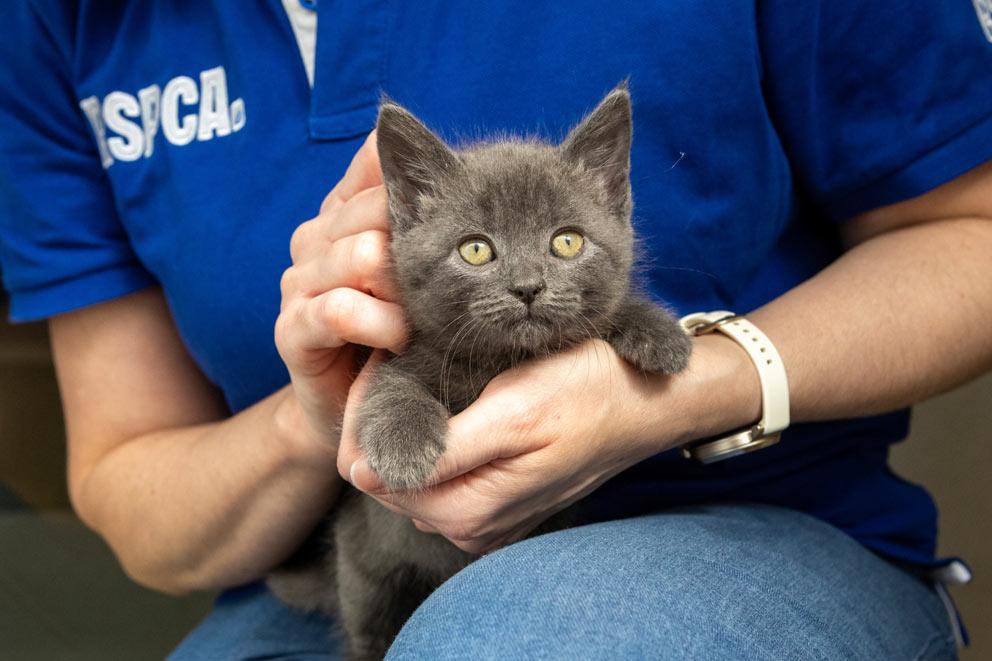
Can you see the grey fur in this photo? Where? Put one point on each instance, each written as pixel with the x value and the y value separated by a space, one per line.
pixel 468 325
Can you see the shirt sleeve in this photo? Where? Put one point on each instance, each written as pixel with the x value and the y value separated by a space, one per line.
pixel 878 101
pixel 62 245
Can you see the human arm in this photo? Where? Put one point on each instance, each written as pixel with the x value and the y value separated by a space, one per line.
pixel 901 316
pixel 188 497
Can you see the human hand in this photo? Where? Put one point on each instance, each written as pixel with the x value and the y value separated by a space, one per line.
pixel 338 293
pixel 539 438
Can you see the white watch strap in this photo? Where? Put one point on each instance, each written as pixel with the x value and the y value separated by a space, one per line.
pixel 771 371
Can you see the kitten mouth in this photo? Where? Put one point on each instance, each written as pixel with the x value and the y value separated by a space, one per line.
pixel 529 324
pixel 528 316
pixel 533 325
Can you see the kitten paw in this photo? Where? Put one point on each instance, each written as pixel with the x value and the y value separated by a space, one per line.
pixel 402 462
pixel 659 355
pixel 650 339
pixel 401 429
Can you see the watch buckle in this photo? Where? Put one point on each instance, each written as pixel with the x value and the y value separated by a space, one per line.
pixel 701 326
pixel 747 440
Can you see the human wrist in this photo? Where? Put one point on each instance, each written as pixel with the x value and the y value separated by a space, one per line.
pixel 722 389
pixel 717 392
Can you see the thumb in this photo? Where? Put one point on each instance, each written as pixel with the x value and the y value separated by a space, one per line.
pixel 484 432
pixel 349 452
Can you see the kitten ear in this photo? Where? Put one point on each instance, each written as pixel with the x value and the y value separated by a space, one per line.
pixel 413 160
pixel 602 144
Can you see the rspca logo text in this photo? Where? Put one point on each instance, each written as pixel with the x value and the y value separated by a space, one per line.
pixel 184 110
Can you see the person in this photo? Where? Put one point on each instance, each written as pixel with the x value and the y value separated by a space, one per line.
pixel 821 168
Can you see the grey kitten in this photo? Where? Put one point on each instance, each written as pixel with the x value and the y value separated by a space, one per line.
pixel 503 252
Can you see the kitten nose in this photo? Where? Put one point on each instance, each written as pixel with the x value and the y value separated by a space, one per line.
pixel 527 292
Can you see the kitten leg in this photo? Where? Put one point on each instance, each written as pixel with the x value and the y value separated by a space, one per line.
pixel 401 427
pixel 649 337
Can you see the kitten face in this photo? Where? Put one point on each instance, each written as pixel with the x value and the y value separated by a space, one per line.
pixel 512 247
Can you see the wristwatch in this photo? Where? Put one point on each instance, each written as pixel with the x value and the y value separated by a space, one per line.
pixel 774 388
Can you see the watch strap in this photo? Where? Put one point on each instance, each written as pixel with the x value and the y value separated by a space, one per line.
pixel 771 374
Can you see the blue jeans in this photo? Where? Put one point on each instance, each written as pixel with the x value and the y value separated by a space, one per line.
pixel 710 582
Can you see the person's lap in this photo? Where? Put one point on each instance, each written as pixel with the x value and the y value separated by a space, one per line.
pixel 708 582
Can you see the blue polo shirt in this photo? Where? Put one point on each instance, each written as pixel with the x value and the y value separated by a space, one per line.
pixel 178 144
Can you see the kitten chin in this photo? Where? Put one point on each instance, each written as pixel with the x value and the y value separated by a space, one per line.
pixel 502 251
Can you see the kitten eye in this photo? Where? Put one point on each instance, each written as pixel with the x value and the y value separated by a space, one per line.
pixel 476 252
pixel 567 244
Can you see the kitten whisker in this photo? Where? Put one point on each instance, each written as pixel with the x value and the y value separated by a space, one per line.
pixel 447 361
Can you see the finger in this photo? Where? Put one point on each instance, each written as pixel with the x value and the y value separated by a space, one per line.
pixel 305 330
pixel 363 172
pixel 366 210
pixel 424 527
pixel 491 498
pixel 472 547
pixel 365 479
pixel 506 528
pixel 360 261
pixel 485 544
pixel 347 315
pixel 349 451
pixel 522 530
pixel 439 505
pixel 490 543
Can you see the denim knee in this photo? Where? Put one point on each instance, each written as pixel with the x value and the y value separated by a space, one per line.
pixel 714 582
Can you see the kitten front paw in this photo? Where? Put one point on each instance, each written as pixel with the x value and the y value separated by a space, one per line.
pixel 401 469
pixel 650 339
pixel 402 440
pixel 652 354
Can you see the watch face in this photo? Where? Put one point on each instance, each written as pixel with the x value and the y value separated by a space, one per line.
pixel 710 451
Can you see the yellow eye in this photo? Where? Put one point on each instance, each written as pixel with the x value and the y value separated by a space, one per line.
pixel 567 244
pixel 476 252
